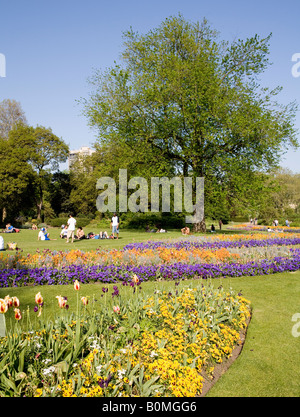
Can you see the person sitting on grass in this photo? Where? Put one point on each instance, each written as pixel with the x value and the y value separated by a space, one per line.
pixel 9 228
pixel 64 232
pixel 44 235
pixel 185 230
pixel 80 233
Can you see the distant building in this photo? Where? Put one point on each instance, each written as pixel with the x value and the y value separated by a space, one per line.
pixel 82 152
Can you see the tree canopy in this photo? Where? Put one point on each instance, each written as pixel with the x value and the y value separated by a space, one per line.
pixel 184 96
pixel 27 157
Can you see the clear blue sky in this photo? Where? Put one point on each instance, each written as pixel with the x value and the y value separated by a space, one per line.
pixel 52 47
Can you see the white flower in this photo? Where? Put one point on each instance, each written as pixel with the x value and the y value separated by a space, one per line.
pixel 98 368
pixel 48 371
pixel 121 373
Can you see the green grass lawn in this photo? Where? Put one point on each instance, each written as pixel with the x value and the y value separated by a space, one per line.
pixel 28 243
pixel 269 362
pixel 27 240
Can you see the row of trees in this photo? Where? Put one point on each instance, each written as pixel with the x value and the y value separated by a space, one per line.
pixel 31 185
pixel 182 102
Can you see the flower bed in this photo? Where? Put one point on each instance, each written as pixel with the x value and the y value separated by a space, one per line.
pixel 262 228
pixel 235 242
pixel 160 345
pixel 15 277
pixel 212 257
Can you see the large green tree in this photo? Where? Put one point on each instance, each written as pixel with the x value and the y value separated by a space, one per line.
pixel 40 152
pixel 183 94
pixel 16 179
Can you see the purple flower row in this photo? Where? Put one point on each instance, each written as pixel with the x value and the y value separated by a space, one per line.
pixel 124 273
pixel 190 244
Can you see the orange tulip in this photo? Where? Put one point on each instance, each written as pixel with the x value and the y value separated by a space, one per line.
pixel 18 314
pixel 3 306
pixel 38 298
pixel 76 285
pixel 84 301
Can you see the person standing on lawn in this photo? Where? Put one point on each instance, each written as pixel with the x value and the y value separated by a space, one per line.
pixel 71 228
pixel 115 225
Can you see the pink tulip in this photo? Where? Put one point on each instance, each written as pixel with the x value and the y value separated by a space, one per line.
pixel 116 309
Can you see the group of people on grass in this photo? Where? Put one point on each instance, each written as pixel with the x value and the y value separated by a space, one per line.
pixel 68 231
pixel 10 229
pixel 276 223
pixel 186 230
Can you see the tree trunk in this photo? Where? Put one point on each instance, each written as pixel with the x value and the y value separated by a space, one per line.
pixel 39 210
pixel 39 203
pixel 200 227
pixel 4 214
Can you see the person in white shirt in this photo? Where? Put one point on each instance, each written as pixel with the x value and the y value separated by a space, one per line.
pixel 64 232
pixel 71 228
pixel 115 225
pixel 1 243
pixel 41 235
